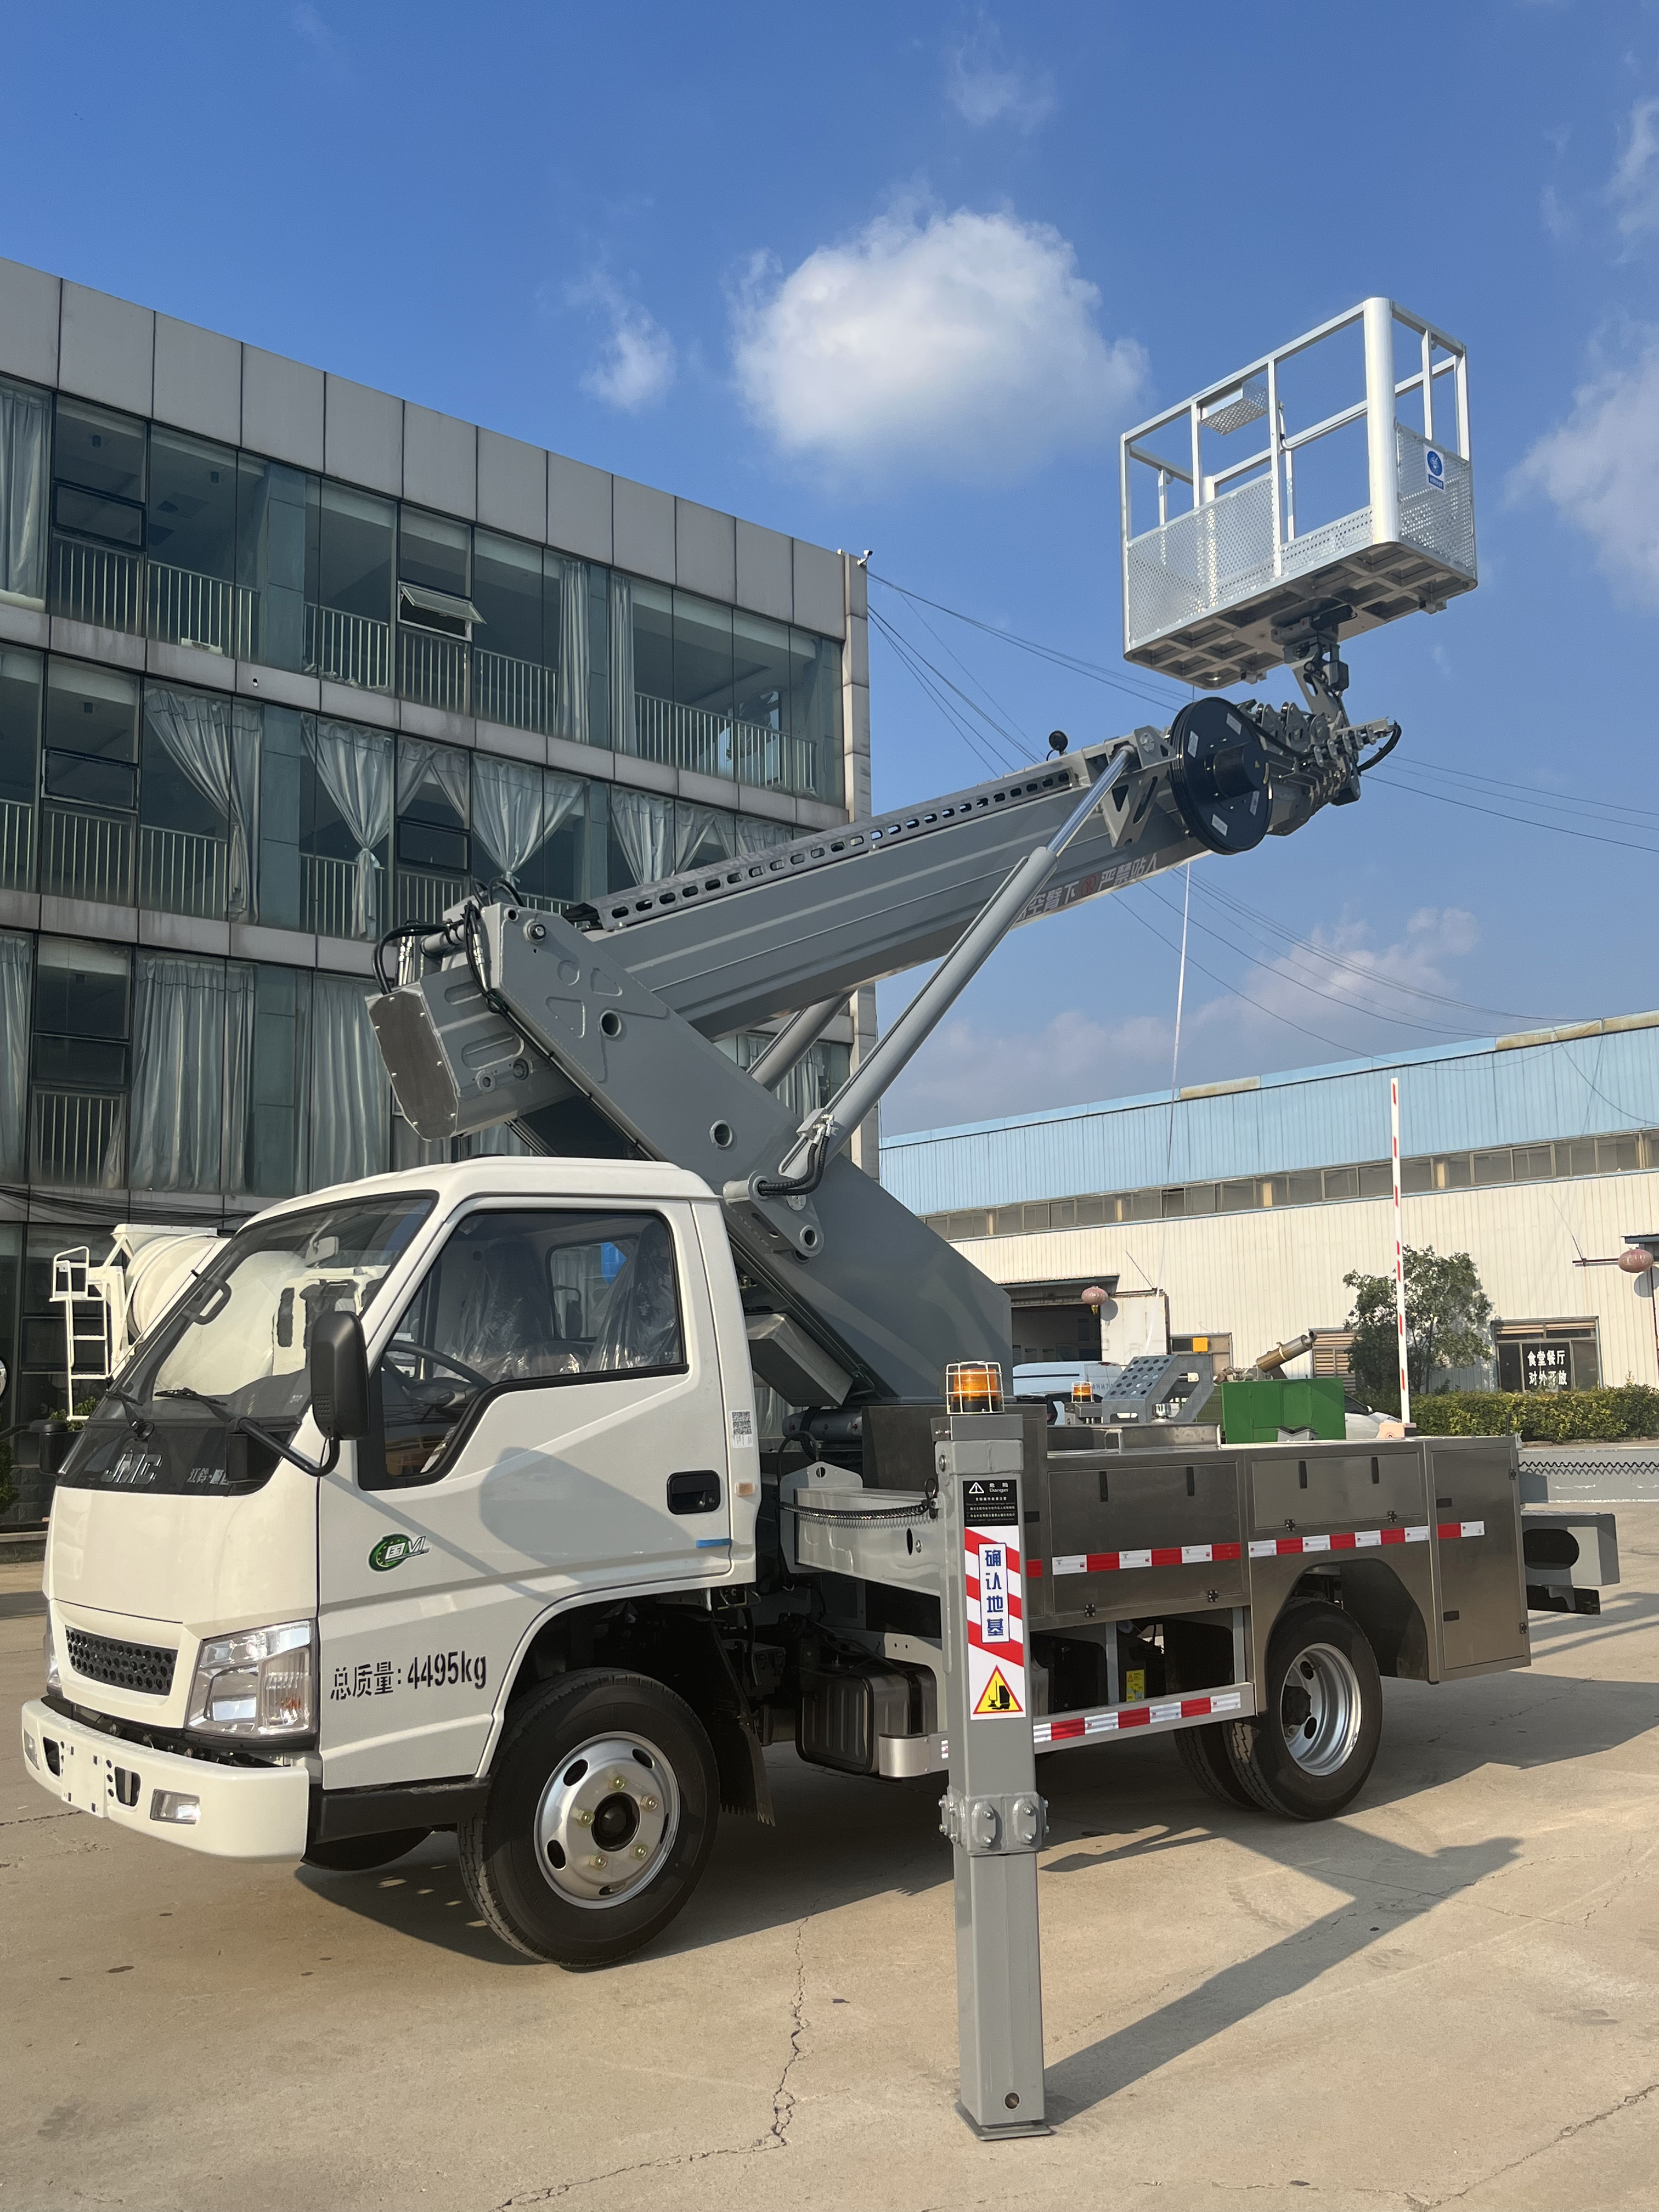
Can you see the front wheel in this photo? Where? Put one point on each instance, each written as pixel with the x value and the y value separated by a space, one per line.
pixel 599 1821
pixel 1308 1754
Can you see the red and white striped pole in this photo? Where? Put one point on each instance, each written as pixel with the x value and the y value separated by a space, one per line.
pixel 1399 1255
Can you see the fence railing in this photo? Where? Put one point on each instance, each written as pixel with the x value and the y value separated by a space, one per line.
pixel 349 648
pixel 778 762
pixel 715 744
pixel 180 873
pixel 96 584
pixel 328 891
pixel 16 846
pixel 86 855
pixel 422 898
pixel 187 608
pixel 519 692
pixel 433 669
pixel 682 737
pixel 80 1139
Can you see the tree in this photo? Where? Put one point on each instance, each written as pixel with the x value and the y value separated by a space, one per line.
pixel 1447 1313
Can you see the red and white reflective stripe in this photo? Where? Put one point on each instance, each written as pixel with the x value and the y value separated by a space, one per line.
pixel 1363 1539
pixel 1155 1712
pixel 1269 1547
pixel 1164 1555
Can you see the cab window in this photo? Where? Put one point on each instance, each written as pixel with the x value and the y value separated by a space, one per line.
pixel 532 1298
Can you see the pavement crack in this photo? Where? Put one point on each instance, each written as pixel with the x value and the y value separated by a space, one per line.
pixel 777 2136
pixel 1625 2104
pixel 783 2097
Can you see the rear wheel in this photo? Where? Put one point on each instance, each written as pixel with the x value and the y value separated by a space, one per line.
pixel 1309 1754
pixel 600 1820
pixel 360 1854
pixel 1204 1754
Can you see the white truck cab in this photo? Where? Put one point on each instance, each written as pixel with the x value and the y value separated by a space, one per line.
pixel 256 1660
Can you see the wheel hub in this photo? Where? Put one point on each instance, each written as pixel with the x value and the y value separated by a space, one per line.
pixel 607 1821
pixel 1320 1709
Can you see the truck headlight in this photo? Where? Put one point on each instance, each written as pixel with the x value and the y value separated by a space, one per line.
pixel 261 1682
pixel 49 1653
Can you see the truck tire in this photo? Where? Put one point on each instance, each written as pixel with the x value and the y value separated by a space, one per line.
pixel 360 1854
pixel 599 1821
pixel 1309 1754
pixel 1205 1755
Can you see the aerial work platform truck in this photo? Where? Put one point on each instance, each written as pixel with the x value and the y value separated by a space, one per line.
pixel 440 1500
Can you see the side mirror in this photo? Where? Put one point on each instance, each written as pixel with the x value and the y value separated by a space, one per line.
pixel 339 1378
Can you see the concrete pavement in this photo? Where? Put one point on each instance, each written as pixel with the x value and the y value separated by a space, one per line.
pixel 1449 1997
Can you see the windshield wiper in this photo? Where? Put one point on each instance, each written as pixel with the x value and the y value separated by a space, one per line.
pixel 248 1427
pixel 133 1408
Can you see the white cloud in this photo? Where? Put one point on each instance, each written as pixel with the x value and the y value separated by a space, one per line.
pixel 1634 189
pixel 961 345
pixel 637 362
pixel 1601 468
pixel 309 25
pixel 968 1071
pixel 984 87
pixel 1557 220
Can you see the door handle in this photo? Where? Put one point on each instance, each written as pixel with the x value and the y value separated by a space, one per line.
pixel 697 1491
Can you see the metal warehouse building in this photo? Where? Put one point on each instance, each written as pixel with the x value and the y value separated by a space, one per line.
pixel 1248 1201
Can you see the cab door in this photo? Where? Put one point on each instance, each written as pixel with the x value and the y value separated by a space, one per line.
pixel 548 1422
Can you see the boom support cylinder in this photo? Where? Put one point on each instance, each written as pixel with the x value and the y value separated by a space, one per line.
pixel 863 1089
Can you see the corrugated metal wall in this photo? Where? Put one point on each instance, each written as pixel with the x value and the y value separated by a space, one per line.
pixel 1263 1277
pixel 1453 1098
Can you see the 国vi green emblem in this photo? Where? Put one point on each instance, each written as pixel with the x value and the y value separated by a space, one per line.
pixel 392 1552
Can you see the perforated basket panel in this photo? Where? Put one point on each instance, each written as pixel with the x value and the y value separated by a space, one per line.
pixel 1203 602
pixel 1436 510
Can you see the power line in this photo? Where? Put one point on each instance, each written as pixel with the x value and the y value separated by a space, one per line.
pixel 968 672
pixel 1265 923
pixel 1300 983
pixel 912 662
pixel 1232 989
pixel 1618 810
pixel 1074 662
pixel 1556 829
pixel 935 684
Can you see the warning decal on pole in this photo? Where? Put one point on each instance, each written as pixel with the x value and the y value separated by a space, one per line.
pixel 995 1589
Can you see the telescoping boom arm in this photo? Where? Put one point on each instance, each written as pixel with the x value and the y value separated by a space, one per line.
pixel 592 1031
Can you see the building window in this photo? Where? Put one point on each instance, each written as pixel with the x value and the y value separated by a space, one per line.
pixel 435 613
pixel 434 868
pixel 349 623
pixel 191 592
pixel 89 783
pixel 198 804
pixel 25 437
pixel 347 814
pixel 1548 1355
pixel 82 995
pixel 21 686
pixel 276 554
pixel 98 516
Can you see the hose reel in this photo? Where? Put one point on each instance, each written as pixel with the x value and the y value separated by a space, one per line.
pixel 1218 775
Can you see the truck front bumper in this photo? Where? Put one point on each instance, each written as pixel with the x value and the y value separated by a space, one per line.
pixel 229 1812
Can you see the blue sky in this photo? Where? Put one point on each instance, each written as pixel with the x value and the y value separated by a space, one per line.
pixel 897 278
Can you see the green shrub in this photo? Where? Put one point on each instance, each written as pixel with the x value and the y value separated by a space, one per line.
pixel 1554 1417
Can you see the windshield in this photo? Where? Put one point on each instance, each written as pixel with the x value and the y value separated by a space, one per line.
pixel 240 1336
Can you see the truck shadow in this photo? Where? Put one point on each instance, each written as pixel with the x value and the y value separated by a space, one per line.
pixel 419 1896
pixel 840 1839
pixel 1388 1884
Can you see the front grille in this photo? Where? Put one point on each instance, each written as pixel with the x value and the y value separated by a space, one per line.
pixel 143 1667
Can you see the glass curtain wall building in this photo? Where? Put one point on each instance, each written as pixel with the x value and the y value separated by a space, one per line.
pixel 284 661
